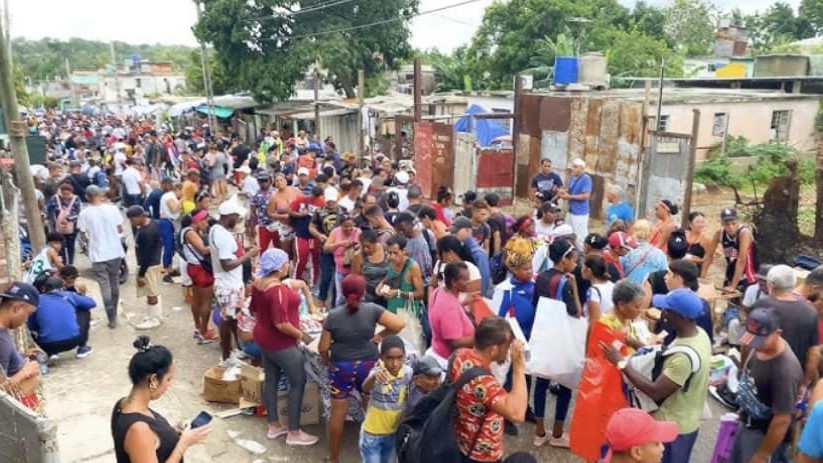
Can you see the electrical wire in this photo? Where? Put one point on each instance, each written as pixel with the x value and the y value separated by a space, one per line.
pixel 320 6
pixel 376 23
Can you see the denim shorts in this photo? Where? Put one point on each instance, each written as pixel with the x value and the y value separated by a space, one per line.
pixel 377 449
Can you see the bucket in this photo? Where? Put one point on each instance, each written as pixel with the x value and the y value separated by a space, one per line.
pixel 565 70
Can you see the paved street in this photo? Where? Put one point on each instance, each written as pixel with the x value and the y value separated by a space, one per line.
pixel 80 395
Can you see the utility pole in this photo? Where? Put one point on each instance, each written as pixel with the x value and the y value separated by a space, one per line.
pixel 116 78
pixel 17 140
pixel 418 91
pixel 74 102
pixel 361 94
pixel 204 61
pixel 316 101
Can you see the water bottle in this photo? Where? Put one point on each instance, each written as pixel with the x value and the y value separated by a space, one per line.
pixel 42 359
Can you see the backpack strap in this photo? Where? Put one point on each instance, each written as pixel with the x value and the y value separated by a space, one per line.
pixel 691 354
pixel 556 287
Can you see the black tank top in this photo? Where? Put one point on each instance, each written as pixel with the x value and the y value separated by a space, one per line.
pixel 121 422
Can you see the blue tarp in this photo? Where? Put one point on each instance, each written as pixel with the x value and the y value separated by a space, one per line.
pixel 486 130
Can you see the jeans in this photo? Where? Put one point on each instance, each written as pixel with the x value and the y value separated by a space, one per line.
pixel 131 200
pixel 541 386
pixel 289 362
pixel 107 274
pixel 746 443
pixel 251 348
pixel 680 450
pixel 338 288
pixel 67 252
pixel 307 250
pixel 55 347
pixel 327 271
pixel 376 449
pixel 166 228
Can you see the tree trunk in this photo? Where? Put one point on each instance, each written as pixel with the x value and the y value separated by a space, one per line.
pixel 818 180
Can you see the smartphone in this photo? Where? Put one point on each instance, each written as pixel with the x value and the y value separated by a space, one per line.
pixel 202 419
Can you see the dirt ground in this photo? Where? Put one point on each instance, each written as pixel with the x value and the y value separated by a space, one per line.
pixel 80 394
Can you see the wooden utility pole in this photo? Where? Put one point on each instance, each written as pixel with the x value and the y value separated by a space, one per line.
pixel 418 91
pixel 316 101
pixel 516 121
pixel 17 140
pixel 361 94
pixel 204 62
pixel 687 195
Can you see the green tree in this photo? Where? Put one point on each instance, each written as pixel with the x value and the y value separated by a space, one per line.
pixel 270 44
pixel 649 20
pixel 634 54
pixel 812 11
pixel 691 24
pixel 222 82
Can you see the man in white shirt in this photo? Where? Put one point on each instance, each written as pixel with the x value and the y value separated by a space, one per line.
pixel 402 179
pixel 348 200
pixel 227 262
pixel 101 225
pixel 132 184
pixel 170 208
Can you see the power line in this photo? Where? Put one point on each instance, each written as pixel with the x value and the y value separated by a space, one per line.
pixel 320 6
pixel 376 23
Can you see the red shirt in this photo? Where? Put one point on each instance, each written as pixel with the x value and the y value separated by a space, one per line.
pixel 474 408
pixel 612 258
pixel 278 304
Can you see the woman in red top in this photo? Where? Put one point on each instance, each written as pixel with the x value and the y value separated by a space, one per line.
pixel 278 334
pixel 444 200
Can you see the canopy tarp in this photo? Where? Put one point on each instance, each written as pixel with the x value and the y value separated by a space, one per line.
pixel 486 130
pixel 220 111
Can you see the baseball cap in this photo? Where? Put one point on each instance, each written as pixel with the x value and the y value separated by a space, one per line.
pixel 24 292
pixel 330 194
pixel 303 171
pixel 683 301
pixel 93 190
pixel 759 326
pixel 272 261
pixel 633 427
pixel 621 239
pixel 263 175
pixel 428 366
pixel 728 214
pixel 135 211
pixel 579 163
pixel 459 224
pixel 402 177
pixel 231 207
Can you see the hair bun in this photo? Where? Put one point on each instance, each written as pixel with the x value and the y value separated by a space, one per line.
pixel 142 343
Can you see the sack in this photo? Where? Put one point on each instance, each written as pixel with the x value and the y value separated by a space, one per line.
pixel 558 352
pixel 648 361
pixel 63 225
pixel 413 331
pixel 426 433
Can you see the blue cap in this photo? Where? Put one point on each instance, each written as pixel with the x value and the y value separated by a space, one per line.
pixel 683 301
pixel 272 261
pixel 314 147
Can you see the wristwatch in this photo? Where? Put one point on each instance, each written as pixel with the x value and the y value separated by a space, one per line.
pixel 621 365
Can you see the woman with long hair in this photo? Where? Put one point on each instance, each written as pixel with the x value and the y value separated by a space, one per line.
pixel 664 211
pixel 141 434
pixel 349 347
pixel 198 267
pixel 373 263
pixel 277 332
pixel 696 237
pixel 278 209
pixel 342 243
pixel 599 297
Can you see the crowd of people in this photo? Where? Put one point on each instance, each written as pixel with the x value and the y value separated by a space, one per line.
pixel 412 294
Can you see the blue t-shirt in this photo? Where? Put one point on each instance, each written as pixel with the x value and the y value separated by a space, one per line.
pixel 520 300
pixel 481 260
pixel 811 440
pixel 622 211
pixel 55 318
pixel 579 185
pixel 547 183
pixel 642 261
pixel 10 360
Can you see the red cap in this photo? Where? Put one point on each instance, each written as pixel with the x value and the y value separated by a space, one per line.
pixel 632 427
pixel 621 239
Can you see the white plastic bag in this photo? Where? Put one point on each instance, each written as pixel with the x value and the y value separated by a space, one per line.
pixel 557 344
pixel 412 333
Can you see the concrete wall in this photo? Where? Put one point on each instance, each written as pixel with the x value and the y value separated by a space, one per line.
pixel 751 120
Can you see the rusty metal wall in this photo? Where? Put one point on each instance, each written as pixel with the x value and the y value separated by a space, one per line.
pixel 495 174
pixel 668 159
pixel 605 132
pixel 25 437
pixel 442 156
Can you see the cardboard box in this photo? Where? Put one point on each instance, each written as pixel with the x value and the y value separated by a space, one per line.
pixel 216 389
pixel 309 411
pixel 251 385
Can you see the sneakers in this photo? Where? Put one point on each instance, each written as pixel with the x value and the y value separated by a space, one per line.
pixel 510 429
pixel 147 324
pixel 538 441
pixel 302 439
pixel 168 279
pixel 208 338
pixel 562 441
pixel 83 352
pixel 272 434
pixel 230 362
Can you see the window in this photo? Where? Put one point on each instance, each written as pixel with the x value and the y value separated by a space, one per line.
pixel 780 125
pixel 664 123
pixel 719 124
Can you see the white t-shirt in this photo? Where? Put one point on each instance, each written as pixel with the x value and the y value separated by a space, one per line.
pixel 753 294
pixel 224 246
pixel 403 195
pixel 165 212
pixel 101 222
pixel 250 186
pixel 119 162
pixel 346 203
pixel 474 275
pixel 131 181
pixel 602 293
pixel 543 229
pixel 366 185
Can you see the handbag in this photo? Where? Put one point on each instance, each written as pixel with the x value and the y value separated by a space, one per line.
pixel 558 352
pixel 412 333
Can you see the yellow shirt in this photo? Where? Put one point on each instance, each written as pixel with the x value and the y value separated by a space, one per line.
pixel 387 403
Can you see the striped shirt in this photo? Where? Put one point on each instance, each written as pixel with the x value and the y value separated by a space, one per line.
pixel 387 404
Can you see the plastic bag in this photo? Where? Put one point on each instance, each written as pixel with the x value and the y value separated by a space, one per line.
pixel 413 331
pixel 557 344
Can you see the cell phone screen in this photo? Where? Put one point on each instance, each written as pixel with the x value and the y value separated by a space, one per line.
pixel 202 419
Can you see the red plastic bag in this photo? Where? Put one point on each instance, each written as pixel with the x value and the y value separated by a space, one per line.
pixel 599 395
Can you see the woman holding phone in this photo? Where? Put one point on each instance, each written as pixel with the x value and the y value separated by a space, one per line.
pixel 140 434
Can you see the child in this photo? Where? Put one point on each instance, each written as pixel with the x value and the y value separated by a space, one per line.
pixel 48 258
pixel 427 377
pixel 388 384
pixel 69 275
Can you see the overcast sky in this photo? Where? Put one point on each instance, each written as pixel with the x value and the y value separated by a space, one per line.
pixel 170 21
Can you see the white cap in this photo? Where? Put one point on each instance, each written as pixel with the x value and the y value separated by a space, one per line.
pixel 244 169
pixel 303 171
pixel 231 207
pixel 402 178
pixel 579 163
pixel 330 194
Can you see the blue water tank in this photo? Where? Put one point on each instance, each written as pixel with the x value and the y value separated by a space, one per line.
pixel 565 70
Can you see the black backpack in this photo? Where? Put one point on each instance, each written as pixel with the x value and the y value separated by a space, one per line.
pixel 426 433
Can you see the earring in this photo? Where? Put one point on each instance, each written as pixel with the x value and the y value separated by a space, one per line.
pixel 153 386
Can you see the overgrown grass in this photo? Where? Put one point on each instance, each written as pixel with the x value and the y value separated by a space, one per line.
pixel 769 162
